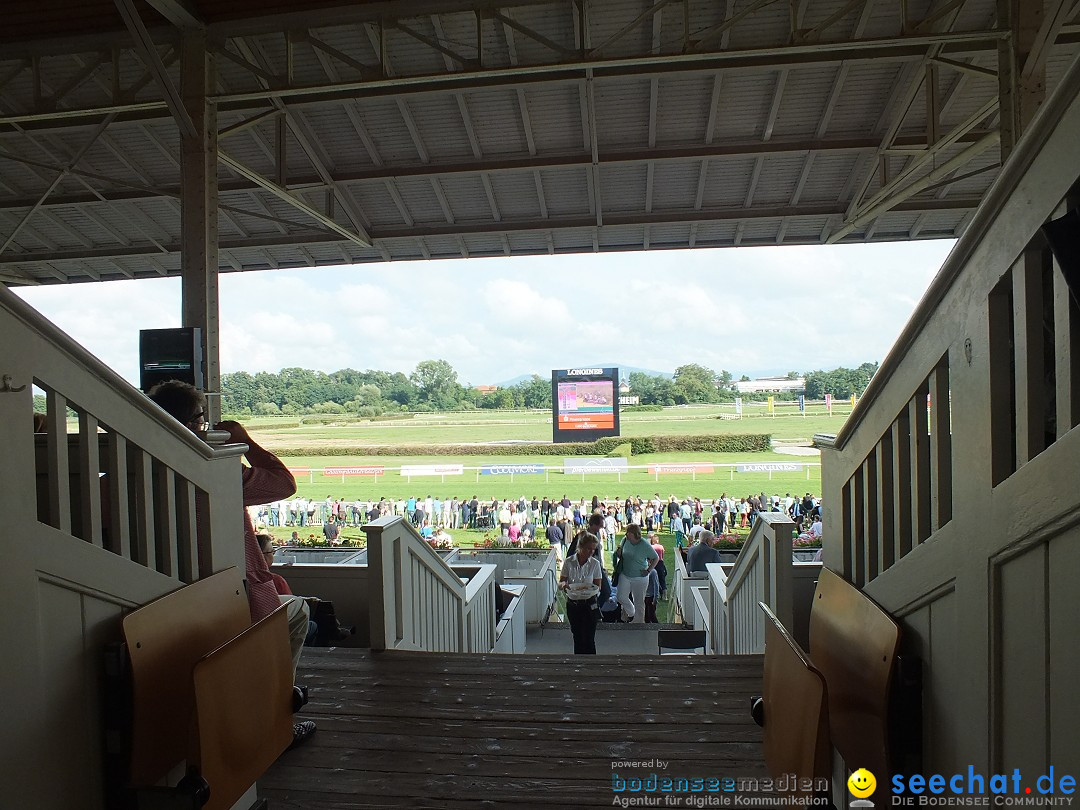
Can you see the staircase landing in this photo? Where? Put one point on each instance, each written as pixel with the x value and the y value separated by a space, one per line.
pixel 500 731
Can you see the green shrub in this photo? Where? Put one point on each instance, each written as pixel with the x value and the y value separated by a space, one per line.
pixel 640 408
pixel 622 451
pixel 609 446
pixel 731 443
pixel 269 424
pixel 322 419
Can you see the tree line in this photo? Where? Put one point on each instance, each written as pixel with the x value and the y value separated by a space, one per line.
pixel 434 386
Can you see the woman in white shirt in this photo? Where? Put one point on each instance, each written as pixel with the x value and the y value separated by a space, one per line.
pixel 581 578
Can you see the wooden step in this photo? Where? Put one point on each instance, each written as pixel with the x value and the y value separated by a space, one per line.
pixel 458 730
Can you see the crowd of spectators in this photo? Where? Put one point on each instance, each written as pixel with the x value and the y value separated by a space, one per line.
pixel 513 517
pixel 696 525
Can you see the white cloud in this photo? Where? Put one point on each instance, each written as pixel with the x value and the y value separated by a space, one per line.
pixel 106 317
pixel 748 310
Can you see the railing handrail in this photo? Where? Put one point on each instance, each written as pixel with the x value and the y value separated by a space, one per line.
pixel 129 479
pixel 701 604
pixel 765 558
pixel 31 319
pixel 484 575
pixel 384 608
pixel 757 535
pixel 1027 149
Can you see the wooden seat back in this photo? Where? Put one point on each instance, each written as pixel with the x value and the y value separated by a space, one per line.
pixel 795 714
pixel 165 640
pixel 854 644
pixel 243 711
pixel 681 640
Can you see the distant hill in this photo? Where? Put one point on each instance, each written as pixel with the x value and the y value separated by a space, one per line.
pixel 624 372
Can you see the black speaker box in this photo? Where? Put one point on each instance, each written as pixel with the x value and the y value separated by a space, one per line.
pixel 170 354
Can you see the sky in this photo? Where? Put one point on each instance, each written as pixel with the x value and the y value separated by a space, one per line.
pixel 753 311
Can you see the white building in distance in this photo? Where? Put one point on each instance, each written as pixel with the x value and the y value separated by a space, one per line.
pixel 771 385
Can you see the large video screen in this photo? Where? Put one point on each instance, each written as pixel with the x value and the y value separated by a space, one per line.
pixel 585 404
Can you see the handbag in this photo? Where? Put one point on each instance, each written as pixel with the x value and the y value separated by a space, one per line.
pixel 330 629
pixel 618 567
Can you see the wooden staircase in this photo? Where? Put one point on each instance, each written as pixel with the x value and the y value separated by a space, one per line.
pixel 473 731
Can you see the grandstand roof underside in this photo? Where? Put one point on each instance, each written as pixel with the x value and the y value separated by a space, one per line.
pixel 370 131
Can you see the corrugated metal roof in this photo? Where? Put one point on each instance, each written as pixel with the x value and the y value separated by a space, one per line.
pixel 400 131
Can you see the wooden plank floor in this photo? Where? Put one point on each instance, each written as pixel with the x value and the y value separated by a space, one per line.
pixel 495 731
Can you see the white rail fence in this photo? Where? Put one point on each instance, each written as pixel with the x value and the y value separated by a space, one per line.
pixel 707 470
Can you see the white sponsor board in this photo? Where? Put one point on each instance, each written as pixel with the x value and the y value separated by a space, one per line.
pixel 581 466
pixel 512 469
pixel 769 466
pixel 699 467
pixel 432 469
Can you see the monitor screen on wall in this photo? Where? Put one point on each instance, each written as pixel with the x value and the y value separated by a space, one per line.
pixel 584 404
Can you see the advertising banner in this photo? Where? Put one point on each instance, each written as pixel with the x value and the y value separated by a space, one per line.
pixel 513 469
pixel 354 471
pixel 772 405
pixel 828 403
pixel 432 469
pixel 738 406
pixel 588 464
pixel 802 403
pixel 769 466
pixel 684 469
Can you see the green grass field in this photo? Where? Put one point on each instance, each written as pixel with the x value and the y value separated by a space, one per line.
pixel 282 433
pixel 486 426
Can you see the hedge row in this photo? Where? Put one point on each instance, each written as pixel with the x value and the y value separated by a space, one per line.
pixel 638 445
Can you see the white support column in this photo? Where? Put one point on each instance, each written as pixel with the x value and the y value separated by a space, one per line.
pixel 199 210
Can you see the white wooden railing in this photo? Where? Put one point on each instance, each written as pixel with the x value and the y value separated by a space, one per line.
pixel 702 619
pixel 126 508
pixel 418 602
pixel 677 577
pixel 682 589
pixel 951 492
pixel 762 573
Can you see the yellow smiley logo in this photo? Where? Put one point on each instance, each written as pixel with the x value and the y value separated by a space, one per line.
pixel 862 783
